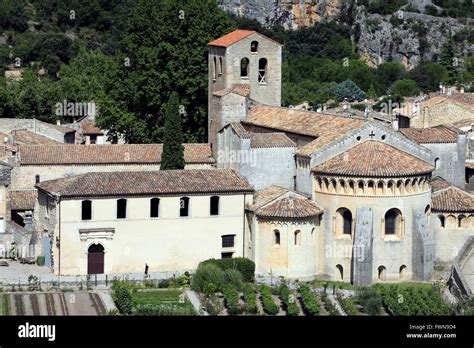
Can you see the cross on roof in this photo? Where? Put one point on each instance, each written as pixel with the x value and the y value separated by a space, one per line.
pixel 372 134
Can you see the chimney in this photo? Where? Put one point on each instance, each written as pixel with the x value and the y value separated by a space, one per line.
pixel 58 122
pixel 462 89
pixel 28 221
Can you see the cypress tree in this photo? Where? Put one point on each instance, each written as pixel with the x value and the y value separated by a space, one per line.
pixel 450 61
pixel 173 149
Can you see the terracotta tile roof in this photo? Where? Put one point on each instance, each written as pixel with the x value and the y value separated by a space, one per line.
pixel 438 183
pixel 62 129
pixel 232 38
pixel 325 127
pixel 88 127
pixel 374 159
pixel 270 140
pixel 262 140
pixel 438 134
pixel 23 199
pixel 26 137
pixel 452 199
pixel 116 184
pixel 290 207
pixel 108 154
pixel 276 201
pixel 465 100
pixel 240 130
pixel 241 89
pixel 266 195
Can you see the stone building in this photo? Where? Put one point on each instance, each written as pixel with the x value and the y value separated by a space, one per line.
pixel 241 61
pixel 185 216
pixel 54 132
pixel 361 183
pixel 40 163
pixel 339 195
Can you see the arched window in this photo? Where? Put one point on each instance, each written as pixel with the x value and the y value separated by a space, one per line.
pixel 360 188
pixel 221 66
pixel 214 205
pixel 442 221
pixel 382 273
pixel 276 237
pixel 393 222
pixel 403 271
pixel 298 238
pixel 343 221
pixel 340 272
pixel 184 206
pixel 436 162
pixel 371 188
pixel 244 67
pixel 37 179
pixel 86 210
pixel 121 209
pixel 154 207
pixel 214 70
pixel 351 187
pixel 254 47
pixel 262 70
pixel 462 221
pixel 380 188
pixel 390 188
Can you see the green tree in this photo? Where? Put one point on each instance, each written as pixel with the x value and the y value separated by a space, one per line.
pixel 173 149
pixel 450 60
pixel 428 76
pixel 388 73
pixel 405 88
pixel 349 90
pixel 165 51
pixel 372 93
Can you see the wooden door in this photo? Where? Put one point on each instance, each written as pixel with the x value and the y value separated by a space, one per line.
pixel 95 259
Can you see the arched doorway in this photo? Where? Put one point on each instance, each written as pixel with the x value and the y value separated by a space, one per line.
pixel 95 259
pixel 340 272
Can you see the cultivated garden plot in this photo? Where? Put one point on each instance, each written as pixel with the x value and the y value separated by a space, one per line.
pixel 227 288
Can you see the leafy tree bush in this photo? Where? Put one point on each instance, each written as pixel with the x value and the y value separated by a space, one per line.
pixel 349 90
pixel 123 300
pixel 207 274
pixel 370 300
pixel 233 278
pixel 348 305
pixel 428 76
pixel 405 88
pixel 250 297
pixel 268 304
pixel 387 74
pixel 164 309
pixel 413 299
pixel 231 296
pixel 289 300
pixel 309 300
pixel 173 149
pixel 241 264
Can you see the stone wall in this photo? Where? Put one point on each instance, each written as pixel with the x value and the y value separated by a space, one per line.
pixel 443 113
pixel 449 160
pixel 7 125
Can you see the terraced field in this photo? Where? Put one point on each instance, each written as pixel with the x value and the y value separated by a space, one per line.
pixel 52 303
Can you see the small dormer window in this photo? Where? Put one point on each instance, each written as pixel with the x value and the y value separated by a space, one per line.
pixel 254 47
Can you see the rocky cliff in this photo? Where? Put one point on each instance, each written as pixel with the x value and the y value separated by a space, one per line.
pixel 291 14
pixel 406 37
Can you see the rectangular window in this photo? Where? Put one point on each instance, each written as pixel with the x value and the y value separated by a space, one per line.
pixel 154 207
pixel 226 255
pixel 122 209
pixel 184 206
pixel 214 205
pixel 86 210
pixel 228 241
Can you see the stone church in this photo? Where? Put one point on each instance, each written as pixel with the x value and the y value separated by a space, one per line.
pixel 335 195
pixel 344 197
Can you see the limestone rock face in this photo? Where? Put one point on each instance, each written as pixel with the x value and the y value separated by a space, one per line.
pixel 291 14
pixel 406 37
